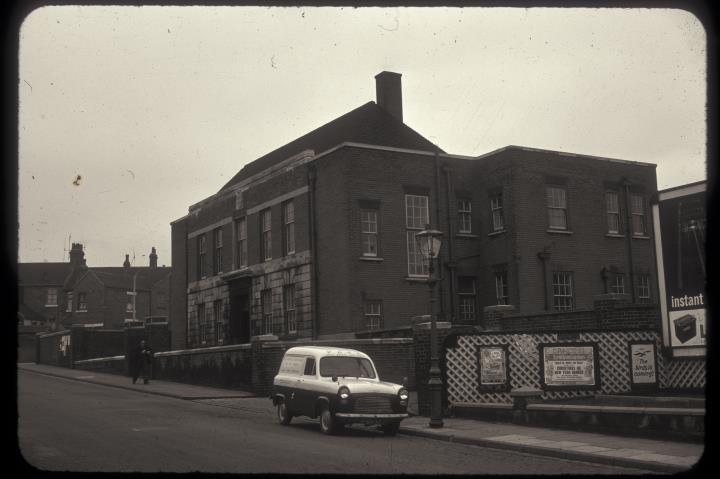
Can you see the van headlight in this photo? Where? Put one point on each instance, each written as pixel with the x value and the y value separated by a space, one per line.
pixel 403 395
pixel 344 394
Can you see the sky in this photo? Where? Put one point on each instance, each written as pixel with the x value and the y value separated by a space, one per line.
pixel 129 115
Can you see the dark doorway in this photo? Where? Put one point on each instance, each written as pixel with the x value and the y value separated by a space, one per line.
pixel 239 318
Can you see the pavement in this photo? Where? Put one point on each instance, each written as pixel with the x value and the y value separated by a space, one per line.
pixel 648 454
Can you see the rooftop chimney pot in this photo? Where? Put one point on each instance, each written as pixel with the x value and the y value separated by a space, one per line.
pixel 388 90
pixel 77 255
pixel 153 258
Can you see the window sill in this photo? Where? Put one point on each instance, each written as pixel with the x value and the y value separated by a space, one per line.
pixel 51 305
pixel 416 279
pixel 466 235
pixel 614 235
pixel 560 232
pixel 497 233
pixel 371 259
pixel 644 237
pixel 81 311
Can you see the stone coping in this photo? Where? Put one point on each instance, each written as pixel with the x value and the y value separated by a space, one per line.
pixel 649 400
pixel 98 360
pixel 208 350
pixel 526 392
pixel 337 342
pixel 438 325
pixel 618 409
pixel 57 333
pixel 487 405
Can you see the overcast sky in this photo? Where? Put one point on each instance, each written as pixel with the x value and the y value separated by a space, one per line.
pixel 128 115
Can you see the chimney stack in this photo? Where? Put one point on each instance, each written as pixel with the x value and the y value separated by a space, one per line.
pixel 77 255
pixel 153 258
pixel 126 264
pixel 388 90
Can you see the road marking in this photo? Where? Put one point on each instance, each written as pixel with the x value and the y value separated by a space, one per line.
pixel 152 428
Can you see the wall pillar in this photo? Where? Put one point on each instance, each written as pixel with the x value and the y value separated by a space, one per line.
pixel 493 315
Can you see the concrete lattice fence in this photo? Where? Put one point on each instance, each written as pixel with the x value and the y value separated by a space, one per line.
pixel 524 371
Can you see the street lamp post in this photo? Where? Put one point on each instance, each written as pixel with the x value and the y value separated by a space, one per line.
pixel 429 241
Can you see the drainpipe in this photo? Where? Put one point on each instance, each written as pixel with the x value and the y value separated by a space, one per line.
pixel 437 222
pixel 134 295
pixel 628 231
pixel 185 282
pixel 311 178
pixel 451 244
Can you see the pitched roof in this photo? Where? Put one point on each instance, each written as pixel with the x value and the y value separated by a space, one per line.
pixel 122 278
pixel 43 273
pixel 368 123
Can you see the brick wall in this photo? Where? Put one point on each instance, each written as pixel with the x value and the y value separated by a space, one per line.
pixel 221 366
pixel 109 365
pixel 157 336
pixel 586 181
pixel 97 343
pixel 178 285
pixel 27 347
pixel 35 297
pixel 611 312
pixel 50 349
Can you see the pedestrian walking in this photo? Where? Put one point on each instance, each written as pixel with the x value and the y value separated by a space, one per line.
pixel 147 360
pixel 141 362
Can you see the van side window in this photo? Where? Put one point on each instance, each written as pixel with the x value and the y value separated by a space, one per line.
pixel 310 367
pixel 292 365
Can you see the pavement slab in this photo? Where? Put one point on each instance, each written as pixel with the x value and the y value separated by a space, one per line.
pixel 587 448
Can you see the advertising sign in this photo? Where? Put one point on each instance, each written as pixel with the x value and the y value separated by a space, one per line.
pixel 493 366
pixel 680 218
pixel 569 365
pixel 643 367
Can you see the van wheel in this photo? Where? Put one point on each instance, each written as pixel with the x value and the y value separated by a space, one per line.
pixel 283 414
pixel 328 424
pixel 391 428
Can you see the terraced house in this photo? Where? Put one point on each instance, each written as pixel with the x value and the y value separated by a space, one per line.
pixel 62 294
pixel 316 239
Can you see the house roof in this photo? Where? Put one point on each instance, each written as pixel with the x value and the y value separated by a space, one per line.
pixel 368 124
pixel 122 278
pixel 50 274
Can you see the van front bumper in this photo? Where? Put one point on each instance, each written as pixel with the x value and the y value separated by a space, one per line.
pixel 349 415
pixel 370 418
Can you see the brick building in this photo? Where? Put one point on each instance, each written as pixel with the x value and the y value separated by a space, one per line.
pixel 57 295
pixel 316 239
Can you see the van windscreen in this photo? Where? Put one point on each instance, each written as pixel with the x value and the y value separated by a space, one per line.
pixel 346 366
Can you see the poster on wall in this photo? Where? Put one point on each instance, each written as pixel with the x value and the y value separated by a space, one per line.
pixel 643 366
pixel 680 218
pixel 493 368
pixel 569 365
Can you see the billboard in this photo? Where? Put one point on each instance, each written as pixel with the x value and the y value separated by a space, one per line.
pixel 569 365
pixel 680 219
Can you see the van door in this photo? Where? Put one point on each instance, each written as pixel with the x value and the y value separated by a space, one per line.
pixel 307 388
pixel 287 381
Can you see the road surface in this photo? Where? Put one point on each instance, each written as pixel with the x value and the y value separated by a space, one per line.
pixel 68 425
